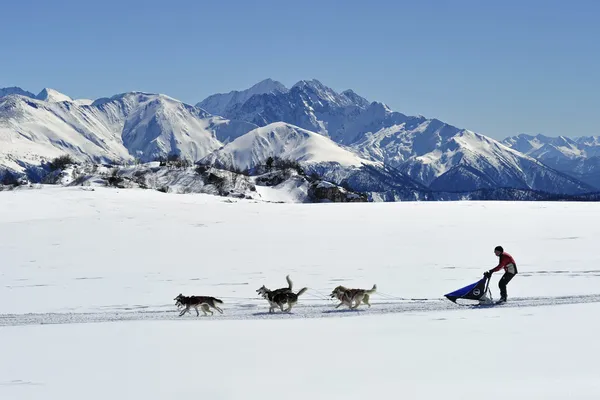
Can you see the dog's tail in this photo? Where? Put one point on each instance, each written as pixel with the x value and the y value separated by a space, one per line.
pixel 372 290
pixel 218 301
pixel 289 281
pixel 302 291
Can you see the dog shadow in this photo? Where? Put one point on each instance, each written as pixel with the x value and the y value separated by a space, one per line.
pixel 258 314
pixel 347 310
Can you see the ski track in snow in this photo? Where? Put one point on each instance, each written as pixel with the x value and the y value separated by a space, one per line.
pixel 259 309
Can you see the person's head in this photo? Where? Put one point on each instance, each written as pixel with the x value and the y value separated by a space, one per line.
pixel 498 250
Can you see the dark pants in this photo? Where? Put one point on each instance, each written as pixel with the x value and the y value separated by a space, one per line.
pixel 503 282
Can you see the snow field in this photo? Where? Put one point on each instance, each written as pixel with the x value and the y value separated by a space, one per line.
pixel 111 255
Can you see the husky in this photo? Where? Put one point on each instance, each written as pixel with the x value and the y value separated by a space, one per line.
pixel 263 289
pixel 279 297
pixel 349 296
pixel 204 302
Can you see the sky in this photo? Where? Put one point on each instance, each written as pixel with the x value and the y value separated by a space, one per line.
pixel 497 68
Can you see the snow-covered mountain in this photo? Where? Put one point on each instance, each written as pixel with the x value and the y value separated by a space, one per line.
pixel 315 153
pixel 15 90
pixel 284 141
pixel 309 105
pixel 220 103
pixel 34 130
pixel 578 157
pixel 469 161
pixel 53 96
pixel 424 149
pixel 153 125
pixel 125 126
pixel 341 136
pixel 47 94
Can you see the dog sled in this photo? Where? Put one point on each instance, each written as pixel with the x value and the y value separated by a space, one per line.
pixel 477 293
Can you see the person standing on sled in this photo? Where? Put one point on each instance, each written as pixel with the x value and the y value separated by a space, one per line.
pixel 510 267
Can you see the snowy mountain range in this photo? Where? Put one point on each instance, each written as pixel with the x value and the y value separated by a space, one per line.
pixel 429 151
pixel 578 157
pixel 340 136
pixel 121 128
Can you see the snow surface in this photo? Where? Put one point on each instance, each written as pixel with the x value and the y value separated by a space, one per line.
pixel 88 279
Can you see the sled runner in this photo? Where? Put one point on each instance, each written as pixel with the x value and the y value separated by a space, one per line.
pixel 478 292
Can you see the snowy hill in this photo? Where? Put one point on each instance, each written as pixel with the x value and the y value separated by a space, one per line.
pixel 120 128
pixel 284 141
pixel 578 157
pixel 219 104
pixel 316 154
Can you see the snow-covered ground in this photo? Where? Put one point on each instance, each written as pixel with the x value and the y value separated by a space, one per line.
pixel 88 279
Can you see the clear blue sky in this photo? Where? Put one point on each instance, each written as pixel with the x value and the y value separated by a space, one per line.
pixel 496 67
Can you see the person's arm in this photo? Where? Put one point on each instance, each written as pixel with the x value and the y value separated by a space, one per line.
pixel 501 264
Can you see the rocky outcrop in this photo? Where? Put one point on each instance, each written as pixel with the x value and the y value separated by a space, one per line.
pixel 325 192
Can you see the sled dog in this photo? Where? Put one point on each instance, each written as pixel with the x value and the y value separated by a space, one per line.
pixel 349 296
pixel 263 289
pixel 204 302
pixel 280 297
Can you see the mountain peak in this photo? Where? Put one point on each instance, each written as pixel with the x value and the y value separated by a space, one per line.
pixel 355 98
pixel 312 83
pixel 221 103
pixel 267 86
pixel 52 96
pixel 15 90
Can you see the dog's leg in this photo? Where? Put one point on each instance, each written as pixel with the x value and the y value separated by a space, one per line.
pixel 184 311
pixel 366 300
pixel 289 308
pixel 339 304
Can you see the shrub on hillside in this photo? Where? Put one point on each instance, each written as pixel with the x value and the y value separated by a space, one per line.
pixel 59 163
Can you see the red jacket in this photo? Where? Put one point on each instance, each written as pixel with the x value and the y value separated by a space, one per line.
pixel 505 259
